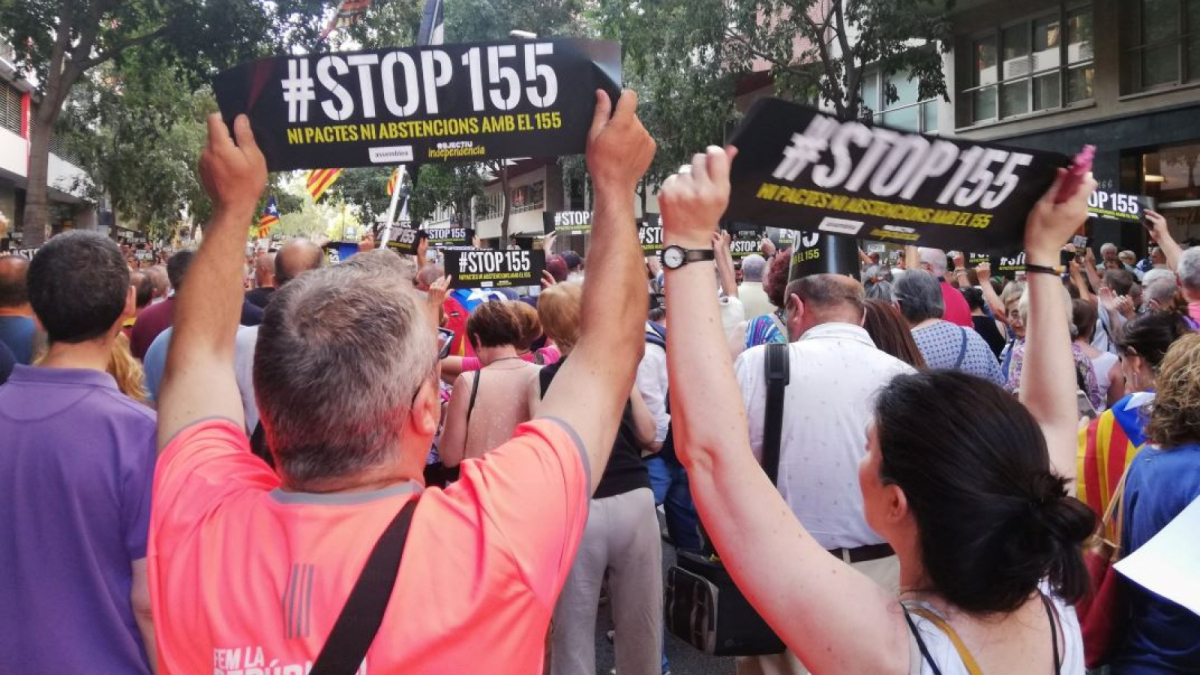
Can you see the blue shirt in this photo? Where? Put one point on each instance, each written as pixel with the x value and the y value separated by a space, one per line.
pixel 155 363
pixel 76 468
pixel 16 332
pixel 1161 636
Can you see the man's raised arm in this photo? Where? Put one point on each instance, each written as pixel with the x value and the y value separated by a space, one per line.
pixel 199 380
pixel 591 391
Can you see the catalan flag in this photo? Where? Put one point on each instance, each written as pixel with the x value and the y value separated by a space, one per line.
pixel 269 217
pixel 319 180
pixel 348 13
pixel 1107 446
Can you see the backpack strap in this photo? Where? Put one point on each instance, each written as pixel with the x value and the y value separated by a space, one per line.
pixel 359 622
pixel 778 372
pixel 962 349
pixel 920 642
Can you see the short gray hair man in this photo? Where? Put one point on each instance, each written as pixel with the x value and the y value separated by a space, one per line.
pixel 753 267
pixel 1189 274
pixel 919 296
pixel 1108 251
pixel 323 419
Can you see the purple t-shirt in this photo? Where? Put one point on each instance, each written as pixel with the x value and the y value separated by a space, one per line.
pixel 76 469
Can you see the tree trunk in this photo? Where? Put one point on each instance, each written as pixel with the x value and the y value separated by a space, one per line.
pixel 37 199
pixel 507 207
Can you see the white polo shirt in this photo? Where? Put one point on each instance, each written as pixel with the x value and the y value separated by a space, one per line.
pixel 836 371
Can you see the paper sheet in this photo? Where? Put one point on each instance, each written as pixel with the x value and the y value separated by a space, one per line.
pixel 1169 564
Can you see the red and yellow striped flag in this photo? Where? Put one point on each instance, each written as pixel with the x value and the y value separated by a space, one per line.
pixel 392 181
pixel 319 180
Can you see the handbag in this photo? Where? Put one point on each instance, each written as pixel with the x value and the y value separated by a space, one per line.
pixel 1102 611
pixel 703 606
pixel 361 616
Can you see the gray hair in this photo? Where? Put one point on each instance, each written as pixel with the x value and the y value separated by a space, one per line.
pixel 1158 274
pixel 880 290
pixel 1161 291
pixel 1189 269
pixel 1108 246
pixel 935 258
pixel 753 267
pixel 341 353
pixel 919 296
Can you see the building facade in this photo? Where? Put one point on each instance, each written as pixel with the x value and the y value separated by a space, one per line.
pixel 1123 75
pixel 68 207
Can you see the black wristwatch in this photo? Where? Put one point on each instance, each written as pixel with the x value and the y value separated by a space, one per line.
pixel 674 257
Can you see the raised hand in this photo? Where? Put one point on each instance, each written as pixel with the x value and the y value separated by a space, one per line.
pixel 983 271
pixel 1049 226
pixel 234 175
pixel 1158 226
pixel 766 246
pixel 435 297
pixel 367 243
pixel 693 201
pixel 548 279
pixel 619 148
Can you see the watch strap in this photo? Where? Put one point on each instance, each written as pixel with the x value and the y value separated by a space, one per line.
pixel 691 255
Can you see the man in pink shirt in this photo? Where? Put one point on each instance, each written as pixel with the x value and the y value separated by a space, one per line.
pixel 933 260
pixel 249 568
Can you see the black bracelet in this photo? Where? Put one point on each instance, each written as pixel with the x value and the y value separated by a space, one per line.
pixel 1042 269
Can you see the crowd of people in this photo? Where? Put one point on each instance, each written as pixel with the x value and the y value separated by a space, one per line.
pixel 193 474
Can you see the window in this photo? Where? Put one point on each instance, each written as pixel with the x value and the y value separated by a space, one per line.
pixel 1162 44
pixel 1044 63
pixel 907 112
pixel 10 108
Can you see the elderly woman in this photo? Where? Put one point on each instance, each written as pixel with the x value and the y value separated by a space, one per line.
pixel 968 486
pixel 1085 374
pixel 943 344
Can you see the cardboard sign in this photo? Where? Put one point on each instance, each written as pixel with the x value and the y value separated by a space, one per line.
pixel 650 234
pixel 744 243
pixel 485 268
pixel 441 237
pixel 567 222
pixel 798 167
pixel 819 253
pixel 473 102
pixel 1115 206
pixel 405 240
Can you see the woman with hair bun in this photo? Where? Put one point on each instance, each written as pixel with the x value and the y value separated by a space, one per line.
pixel 969 487
pixel 1162 636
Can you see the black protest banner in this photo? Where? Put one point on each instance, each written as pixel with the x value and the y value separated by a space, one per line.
pixel 743 243
pixel 485 268
pixel 441 237
pixel 1115 206
pixel 822 253
pixel 567 222
pixel 478 101
pixel 406 240
pixel 799 168
pixel 650 234
pixel 999 264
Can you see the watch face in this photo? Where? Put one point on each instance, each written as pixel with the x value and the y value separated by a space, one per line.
pixel 673 257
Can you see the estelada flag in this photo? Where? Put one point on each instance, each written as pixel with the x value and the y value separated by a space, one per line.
pixel 391 187
pixel 348 13
pixel 269 217
pixel 319 180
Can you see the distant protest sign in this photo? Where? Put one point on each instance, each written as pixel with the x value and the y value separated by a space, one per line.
pixel 485 268
pixel 799 168
pixel 1115 206
pixel 567 222
pixel 473 102
pixel 405 240
pixel 744 243
pixel 822 253
pixel 1009 263
pixel 441 237
pixel 650 234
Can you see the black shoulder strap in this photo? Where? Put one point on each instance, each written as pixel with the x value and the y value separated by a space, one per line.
pixel 474 393
pixel 356 626
pixel 912 627
pixel 778 375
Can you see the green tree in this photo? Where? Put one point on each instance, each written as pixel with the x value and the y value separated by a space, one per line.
pixel 823 46
pixel 60 41
pixel 449 186
pixel 135 131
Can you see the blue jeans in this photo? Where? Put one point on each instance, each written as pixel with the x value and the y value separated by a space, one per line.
pixel 669 481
